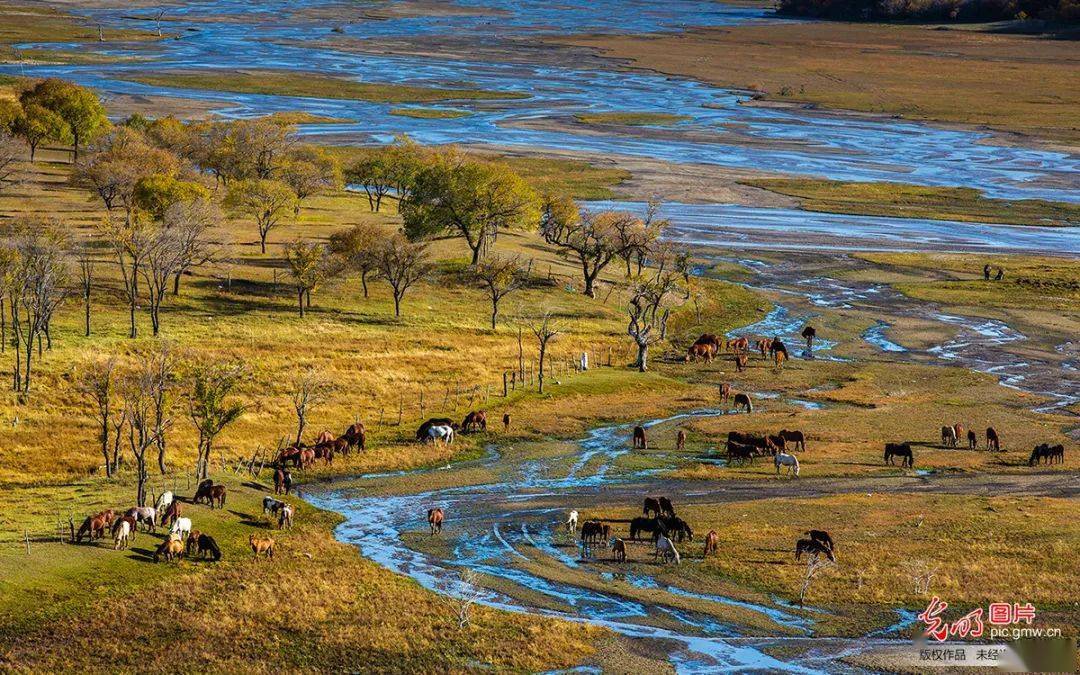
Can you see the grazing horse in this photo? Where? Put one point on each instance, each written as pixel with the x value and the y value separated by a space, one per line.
pixel 289 454
pixel 172 549
pixel 809 334
pixel 778 346
pixel 324 437
pixel 306 458
pixel 572 522
pixel 422 430
pixel 146 515
pixel 1056 455
pixel 666 507
pixel 130 523
pixel 680 439
pixel 973 440
pixel 725 393
pixel 740 362
pixel 710 340
pixel 992 439
pixel 797 438
pixel 618 550
pixel 205 544
pixel 948 437
pixel 94 526
pixel 192 542
pixel 759 443
pixel 261 545
pixel 704 352
pixel 639 440
pixel 743 401
pixel 171 514
pixel 217 496
pixel 121 534
pixel 776 443
pixel 789 461
pixel 474 421
pixel 814 548
pixel 901 450
pixel 822 537
pixel 435 520
pixel 506 423
pixel 651 505
pixel 739 451
pixel 712 542
pixel 355 437
pixel 271 506
pixel 651 525
pixel 444 433
pixel 282 480
pixel 666 550
pixel 1049 454
pixel 958 429
pixel 202 493
pixel 779 358
pixel 678 528
pixel 181 528
pixel 324 451
pixel 594 531
pixel 163 502
pixel 740 345
pixel 285 516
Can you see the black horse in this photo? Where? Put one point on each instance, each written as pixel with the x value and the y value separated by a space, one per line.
pixel 812 547
pixel 901 450
pixel 738 451
pixel 822 537
pixel 653 526
pixel 678 529
pixel 666 507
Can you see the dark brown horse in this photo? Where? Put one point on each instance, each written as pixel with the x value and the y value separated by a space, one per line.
pixel 776 443
pixel 474 421
pixel 759 443
pixel 680 439
pixel 506 423
pixel 1045 452
pixel 743 401
pixel 618 550
pixel 740 452
pixel 593 531
pixel 216 496
pixel 95 526
pixel 823 538
pixel 812 547
pixel 654 526
pixel 796 438
pixel 901 450
pixel 435 520
pixel 809 333
pixel 355 437
pixel 282 480
pixel 973 440
pixel 725 393
pixel 172 512
pixel 651 505
pixel 289 454
pixel 204 545
pixel 740 362
pixel 992 439
pixel 678 528
pixel 640 442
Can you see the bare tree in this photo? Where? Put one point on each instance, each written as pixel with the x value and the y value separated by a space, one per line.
pixel 650 307
pixel 461 596
pixel 160 365
pixel 139 390
pixel 500 276
pixel 98 383
pixel 12 150
pixel 356 250
pixel 814 564
pixel 191 223
pixel 210 386
pixel 131 242
pixel 309 389
pixel 164 257
pixel 545 327
pixel 402 263
pixel 265 201
pixel 921 573
pixel 86 284
pixel 308 264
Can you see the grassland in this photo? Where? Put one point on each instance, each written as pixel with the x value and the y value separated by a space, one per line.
pixel 302 117
pixel 632 119
pixel 32 22
pixel 1020 84
pixel 312 85
pixel 430 113
pixel 903 200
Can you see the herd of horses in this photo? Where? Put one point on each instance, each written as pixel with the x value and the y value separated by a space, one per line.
pixel 181 539
pixel 708 346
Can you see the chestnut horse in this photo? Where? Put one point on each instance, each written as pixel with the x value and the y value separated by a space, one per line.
pixel 172 512
pixel 739 345
pixel 618 550
pixel 740 362
pixel 712 542
pixel 324 437
pixel 680 439
pixel 702 351
pixel 264 546
pixel 94 526
pixel 780 357
pixel 973 440
pixel 725 393
pixel 640 442
pixel 795 437
pixel 435 520
pixel 474 421
pixel 355 436
pixel 172 549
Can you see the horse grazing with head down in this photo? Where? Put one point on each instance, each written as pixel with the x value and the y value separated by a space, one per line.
pixel 948 437
pixel 680 439
pixel 740 362
pixel 814 548
pixel 973 440
pixel 261 546
pixel 572 522
pixel 435 520
pixel 147 515
pixel 901 450
pixel 640 442
pixel 94 526
pixel 786 460
pixel 441 432
pixel 172 549
pixel 651 525
pixel 474 421
pixel 823 538
pixel 740 452
pixel 618 550
pixel 324 437
pixel 992 440
pixel 678 528
pixel 725 393
pixel 743 401
pixel 204 545
pixel 712 542
pixel 700 351
pixel 121 534
pixel 355 437
pixel 422 430
pixel 666 551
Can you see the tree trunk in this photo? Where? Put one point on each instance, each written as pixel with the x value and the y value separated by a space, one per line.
pixel 494 313
pixel 397 305
pixel 262 241
pixel 161 455
pixel 589 292
pixel 105 441
pixel 86 307
pixel 301 422
pixel 75 160
pixel 363 282
pixel 176 284
pixel 476 252
pixel 642 357
pixel 300 295
pixel 33 151
pixel 540 370
pixel 133 331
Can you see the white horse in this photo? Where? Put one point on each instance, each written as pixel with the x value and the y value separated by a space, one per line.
pixel 572 522
pixel 181 528
pixel 122 536
pixel 146 515
pixel 790 461
pixel 163 502
pixel 286 516
pixel 666 548
pixel 443 433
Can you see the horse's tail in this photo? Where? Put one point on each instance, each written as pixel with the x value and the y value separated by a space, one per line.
pixel 749 405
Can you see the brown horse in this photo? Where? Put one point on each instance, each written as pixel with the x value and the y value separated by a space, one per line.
pixel 306 458
pixel 172 549
pixel 725 393
pixel 809 333
pixel 712 542
pixel 740 362
pixel 217 496
pixel 640 442
pixel 779 358
pixel 973 440
pixel 355 436
pixel 474 421
pixel 618 550
pixel 506 423
pixel 958 429
pixel 992 439
pixel 948 437
pixel 762 345
pixel 797 438
pixel 435 519
pixel 192 542
pixel 279 479
pixel 324 452
pixel 739 451
pixel 759 443
pixel 680 439
pixel 700 351
pixel 813 548
pixel 776 443
pixel 740 345
pixel 172 512
pixel 261 545
pixel 324 437
pixel 743 401
pixel 94 526
pixel 289 454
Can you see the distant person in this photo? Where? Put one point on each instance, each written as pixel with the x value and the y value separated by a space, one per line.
pixel 986 271
pixel 1000 274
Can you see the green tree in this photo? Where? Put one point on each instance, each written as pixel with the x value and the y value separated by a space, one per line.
pixel 308 266
pixel 265 201
pixel 470 199
pixel 209 407
pixel 375 172
pixel 36 123
pixel 118 164
pixel 356 250
pixel 77 106
pixel 310 171
pixel 157 192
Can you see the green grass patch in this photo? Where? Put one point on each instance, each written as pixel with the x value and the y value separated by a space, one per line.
pixel 903 200
pixel 430 113
pixel 301 117
pixel 311 85
pixel 632 119
pixel 25 22
pixel 582 180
